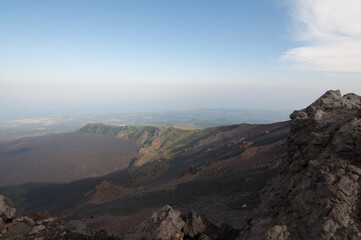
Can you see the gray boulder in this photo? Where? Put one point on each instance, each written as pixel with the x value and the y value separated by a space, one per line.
pixel 164 224
pixel 7 212
pixel 170 224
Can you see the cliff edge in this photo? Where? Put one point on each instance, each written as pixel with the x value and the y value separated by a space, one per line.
pixel 317 194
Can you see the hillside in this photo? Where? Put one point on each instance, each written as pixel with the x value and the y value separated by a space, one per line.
pixel 175 149
pixel 154 141
pixel 61 158
pixel 225 167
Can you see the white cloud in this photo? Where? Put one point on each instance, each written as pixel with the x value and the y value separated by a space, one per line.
pixel 331 30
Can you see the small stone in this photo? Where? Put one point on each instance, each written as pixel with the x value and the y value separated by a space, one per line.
pixel 29 221
pixel 20 219
pixel 78 227
pixel 37 229
pixel 50 220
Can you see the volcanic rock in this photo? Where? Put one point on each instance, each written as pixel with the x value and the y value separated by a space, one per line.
pixel 164 224
pixel 49 228
pixel 37 229
pixel 317 194
pixel 7 212
pixel 169 224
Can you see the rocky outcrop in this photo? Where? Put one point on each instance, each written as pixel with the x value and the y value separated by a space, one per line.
pixel 166 224
pixel 317 195
pixel 169 224
pixel 25 227
pixel 7 212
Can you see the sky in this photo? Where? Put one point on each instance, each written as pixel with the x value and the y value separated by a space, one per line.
pixel 87 56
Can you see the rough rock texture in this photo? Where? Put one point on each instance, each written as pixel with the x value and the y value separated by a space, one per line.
pixel 48 228
pixel 166 224
pixel 7 212
pixel 317 195
pixel 169 224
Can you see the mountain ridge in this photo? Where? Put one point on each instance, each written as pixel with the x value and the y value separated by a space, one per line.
pixel 161 147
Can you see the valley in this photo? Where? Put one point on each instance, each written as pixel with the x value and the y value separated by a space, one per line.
pixel 215 170
pixel 60 158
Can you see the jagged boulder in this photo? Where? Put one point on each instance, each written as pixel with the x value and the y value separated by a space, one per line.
pixel 164 224
pixel 317 195
pixel 169 224
pixel 7 212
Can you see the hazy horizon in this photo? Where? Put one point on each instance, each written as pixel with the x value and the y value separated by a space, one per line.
pixel 282 115
pixel 96 57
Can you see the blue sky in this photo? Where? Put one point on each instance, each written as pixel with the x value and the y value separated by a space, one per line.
pixel 60 57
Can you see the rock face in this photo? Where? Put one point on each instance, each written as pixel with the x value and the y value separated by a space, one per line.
pixel 7 212
pixel 12 228
pixel 169 224
pixel 317 195
pixel 166 224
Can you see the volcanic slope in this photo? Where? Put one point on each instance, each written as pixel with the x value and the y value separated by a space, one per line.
pixel 168 152
pixel 217 171
pixel 60 158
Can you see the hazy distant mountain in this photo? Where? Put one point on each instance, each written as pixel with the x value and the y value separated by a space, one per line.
pixel 199 118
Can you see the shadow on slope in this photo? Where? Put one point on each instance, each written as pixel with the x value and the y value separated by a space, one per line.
pixel 63 158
